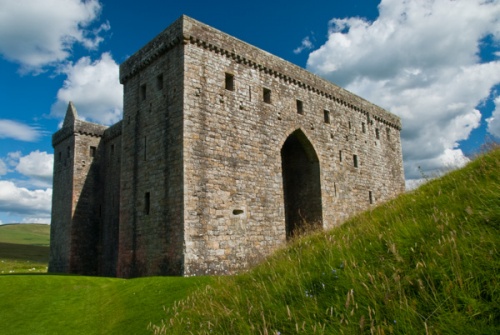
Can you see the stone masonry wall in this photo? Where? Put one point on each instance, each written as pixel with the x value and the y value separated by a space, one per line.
pixel 151 195
pixel 234 203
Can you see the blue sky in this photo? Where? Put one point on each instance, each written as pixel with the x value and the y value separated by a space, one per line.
pixel 435 63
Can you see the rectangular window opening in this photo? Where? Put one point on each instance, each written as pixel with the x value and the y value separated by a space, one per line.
pixel 355 160
pixel 147 203
pixel 143 92
pixel 388 130
pixel 377 134
pixel 363 127
pixel 340 155
pixel 370 196
pixel 229 82
pixel 92 151
pixel 267 95
pixel 350 125
pixel 300 107
pixel 159 82
pixel 112 149
pixel 326 114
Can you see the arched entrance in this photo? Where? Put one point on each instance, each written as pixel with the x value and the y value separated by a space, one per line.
pixel 301 183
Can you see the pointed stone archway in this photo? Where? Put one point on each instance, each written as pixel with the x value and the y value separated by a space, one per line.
pixel 301 183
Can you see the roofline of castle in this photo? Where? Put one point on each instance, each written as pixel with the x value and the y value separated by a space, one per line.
pixel 79 127
pixel 188 30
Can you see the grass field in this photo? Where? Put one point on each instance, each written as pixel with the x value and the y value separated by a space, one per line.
pixel 425 263
pixel 24 248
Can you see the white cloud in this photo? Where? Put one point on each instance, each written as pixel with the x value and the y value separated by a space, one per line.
pixel 37 33
pixel 494 120
pixel 3 168
pixel 94 88
pixel 38 166
pixel 20 200
pixel 305 45
pixel 18 131
pixel 418 59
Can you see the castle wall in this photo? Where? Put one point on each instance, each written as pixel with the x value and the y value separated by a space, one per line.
pixel 234 197
pixel 109 206
pixel 151 195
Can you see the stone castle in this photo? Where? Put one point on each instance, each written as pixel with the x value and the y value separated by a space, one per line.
pixel 223 152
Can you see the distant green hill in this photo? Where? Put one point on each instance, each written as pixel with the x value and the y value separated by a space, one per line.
pixel 30 234
pixel 24 248
pixel 425 263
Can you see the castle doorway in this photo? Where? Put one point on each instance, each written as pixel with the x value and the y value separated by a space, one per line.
pixel 301 184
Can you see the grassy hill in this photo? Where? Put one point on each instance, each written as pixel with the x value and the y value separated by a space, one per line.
pixel 24 248
pixel 425 263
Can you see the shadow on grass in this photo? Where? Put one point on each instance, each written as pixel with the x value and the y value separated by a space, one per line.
pixel 24 252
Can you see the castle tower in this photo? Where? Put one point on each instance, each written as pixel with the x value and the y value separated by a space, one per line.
pixel 76 196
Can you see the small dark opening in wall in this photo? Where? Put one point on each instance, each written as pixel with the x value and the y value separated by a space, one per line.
pixel 60 156
pixel 147 203
pixel 363 127
pixel 112 149
pixel 355 160
pixel 377 134
pixel 326 114
pixel 229 82
pixel 300 107
pixel 350 126
pixel 267 95
pixel 143 92
pixel 388 130
pixel 340 155
pixel 159 82
pixel 238 211
pixel 370 196
pixel 92 151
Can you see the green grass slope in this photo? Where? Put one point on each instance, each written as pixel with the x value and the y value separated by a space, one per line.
pixel 24 248
pixel 425 263
pixel 46 304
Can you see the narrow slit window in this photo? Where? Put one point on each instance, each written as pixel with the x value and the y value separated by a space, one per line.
pixel 112 149
pixel 363 127
pixel 267 95
pixel 300 107
pixel 388 130
pixel 326 115
pixel 370 197
pixel 350 125
pixel 147 203
pixel 377 134
pixel 143 92
pixel 340 155
pixel 92 151
pixel 355 160
pixel 229 82
pixel 159 82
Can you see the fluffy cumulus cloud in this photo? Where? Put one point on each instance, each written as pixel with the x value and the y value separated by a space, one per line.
pixel 37 33
pixel 18 131
pixel 25 187
pixel 94 88
pixel 420 60
pixel 494 120
pixel 22 201
pixel 37 166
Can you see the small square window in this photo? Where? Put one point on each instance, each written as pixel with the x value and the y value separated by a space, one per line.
pixel 143 92
pixel 326 114
pixel 267 95
pixel 159 82
pixel 229 82
pixel 300 107
pixel 355 160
